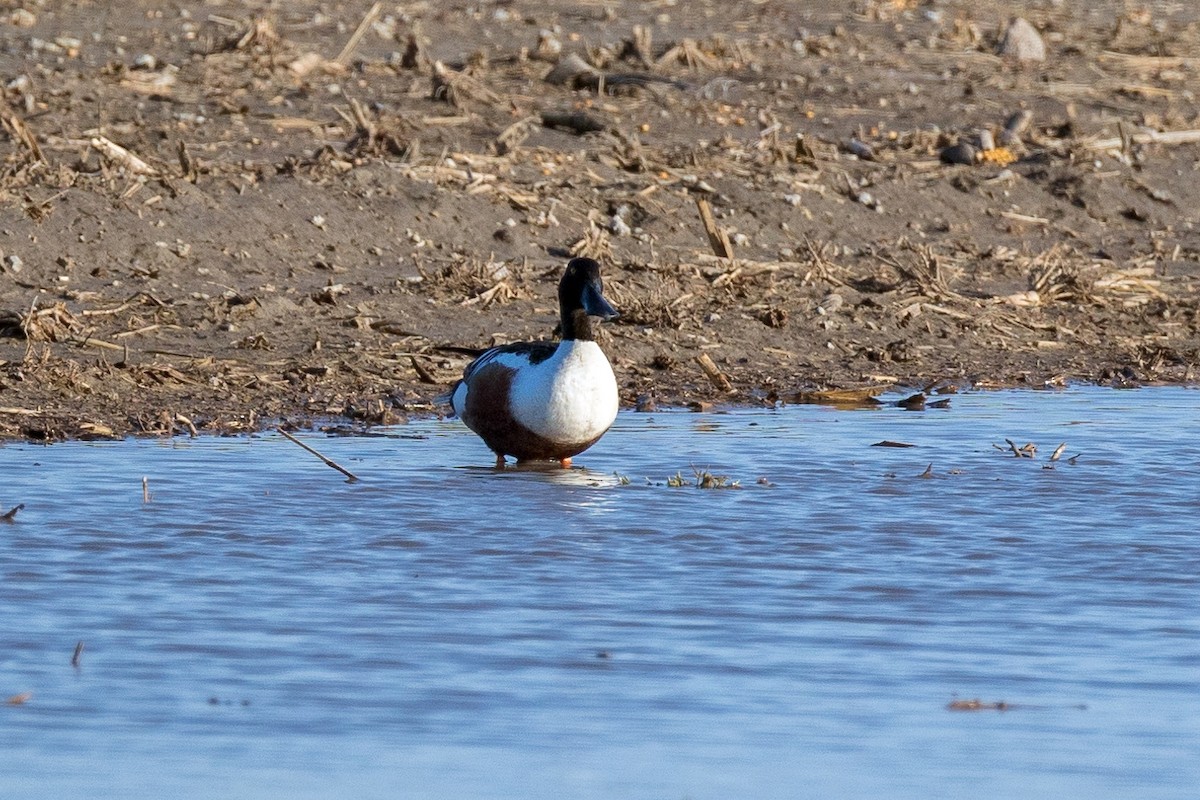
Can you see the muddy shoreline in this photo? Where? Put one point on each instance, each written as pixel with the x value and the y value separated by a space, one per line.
pixel 225 216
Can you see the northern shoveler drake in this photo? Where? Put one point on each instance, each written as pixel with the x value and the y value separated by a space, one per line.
pixel 545 400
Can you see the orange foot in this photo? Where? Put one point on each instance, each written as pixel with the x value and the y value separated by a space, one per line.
pixel 566 463
pixel 500 462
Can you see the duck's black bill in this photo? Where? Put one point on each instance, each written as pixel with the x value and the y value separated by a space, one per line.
pixel 595 304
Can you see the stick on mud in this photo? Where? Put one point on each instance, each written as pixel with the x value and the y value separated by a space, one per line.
pixel 328 461
pixel 343 57
pixel 715 376
pixel 717 238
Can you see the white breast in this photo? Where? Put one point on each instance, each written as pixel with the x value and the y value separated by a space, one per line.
pixel 569 397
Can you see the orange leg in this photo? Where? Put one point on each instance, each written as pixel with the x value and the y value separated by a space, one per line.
pixel 500 462
pixel 566 463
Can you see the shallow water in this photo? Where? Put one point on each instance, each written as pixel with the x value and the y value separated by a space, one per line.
pixel 262 629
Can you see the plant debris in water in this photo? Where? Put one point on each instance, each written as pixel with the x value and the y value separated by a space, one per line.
pixel 1029 450
pixel 977 705
pixel 703 479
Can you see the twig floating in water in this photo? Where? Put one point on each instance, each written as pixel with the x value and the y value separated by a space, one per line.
pixel 977 705
pixel 145 489
pixel 328 461
pixel 75 658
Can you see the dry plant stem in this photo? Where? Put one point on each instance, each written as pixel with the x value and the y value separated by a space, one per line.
pixel 422 373
pixel 21 132
pixel 714 373
pixel 119 155
pixel 717 238
pixel 187 423
pixel 328 461
pixel 1149 137
pixel 343 57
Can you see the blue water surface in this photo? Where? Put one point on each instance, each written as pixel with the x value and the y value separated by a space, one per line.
pixel 261 628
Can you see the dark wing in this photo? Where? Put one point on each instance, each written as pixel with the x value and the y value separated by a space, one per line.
pixel 535 352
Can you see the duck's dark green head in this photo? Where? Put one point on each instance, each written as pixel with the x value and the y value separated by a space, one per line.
pixel 581 295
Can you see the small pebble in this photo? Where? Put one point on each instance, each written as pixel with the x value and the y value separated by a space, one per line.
pixel 861 149
pixel 867 199
pixel 618 226
pixel 1015 126
pixel 961 153
pixel 1022 42
pixel 22 18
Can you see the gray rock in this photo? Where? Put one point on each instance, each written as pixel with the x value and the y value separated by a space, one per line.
pixel 961 153
pixel 1022 42
pixel 569 68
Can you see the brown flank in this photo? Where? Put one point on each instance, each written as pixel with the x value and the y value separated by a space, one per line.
pixel 487 413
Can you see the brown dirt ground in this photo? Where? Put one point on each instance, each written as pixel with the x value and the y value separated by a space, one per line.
pixel 302 220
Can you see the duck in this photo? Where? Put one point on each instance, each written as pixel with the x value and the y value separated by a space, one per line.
pixel 545 400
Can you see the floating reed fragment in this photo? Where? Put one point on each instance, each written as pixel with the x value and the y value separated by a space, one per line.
pixel 703 479
pixel 77 656
pixel 328 461
pixel 1029 450
pixel 977 705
